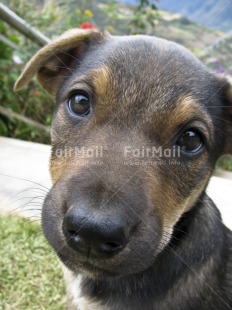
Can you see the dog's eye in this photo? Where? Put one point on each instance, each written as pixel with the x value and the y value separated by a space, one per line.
pixel 79 104
pixel 190 141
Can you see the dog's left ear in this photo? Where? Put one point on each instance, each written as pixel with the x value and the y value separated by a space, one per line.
pixel 227 107
pixel 53 62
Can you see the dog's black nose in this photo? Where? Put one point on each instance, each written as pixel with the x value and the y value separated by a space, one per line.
pixel 95 234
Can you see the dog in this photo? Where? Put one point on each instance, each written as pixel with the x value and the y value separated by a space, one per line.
pixel 130 220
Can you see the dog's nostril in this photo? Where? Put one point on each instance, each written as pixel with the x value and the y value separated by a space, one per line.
pixel 112 244
pixel 73 234
pixel 110 247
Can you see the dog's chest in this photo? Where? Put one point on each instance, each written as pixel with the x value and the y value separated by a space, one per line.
pixel 75 298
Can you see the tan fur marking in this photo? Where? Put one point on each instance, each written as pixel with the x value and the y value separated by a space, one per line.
pixel 170 206
pixel 186 108
pixel 65 166
pixel 183 112
pixel 101 79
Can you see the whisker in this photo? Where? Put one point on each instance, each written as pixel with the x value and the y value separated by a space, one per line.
pixel 22 179
pixel 28 197
pixel 35 189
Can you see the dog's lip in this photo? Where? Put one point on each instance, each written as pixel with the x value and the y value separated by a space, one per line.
pixel 98 270
pixel 86 265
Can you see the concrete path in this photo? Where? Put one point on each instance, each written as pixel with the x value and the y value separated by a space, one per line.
pixel 24 176
pixel 24 180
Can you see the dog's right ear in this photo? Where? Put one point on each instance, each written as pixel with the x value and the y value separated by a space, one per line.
pixel 53 62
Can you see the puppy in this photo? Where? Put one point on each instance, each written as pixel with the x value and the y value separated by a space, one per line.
pixel 139 124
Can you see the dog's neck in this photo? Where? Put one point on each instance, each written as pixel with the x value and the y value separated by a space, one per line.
pixel 195 240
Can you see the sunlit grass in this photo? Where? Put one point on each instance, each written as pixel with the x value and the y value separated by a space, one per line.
pixel 30 275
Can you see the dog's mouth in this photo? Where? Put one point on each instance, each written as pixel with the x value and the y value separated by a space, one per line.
pixel 98 272
pixel 89 268
pixel 134 258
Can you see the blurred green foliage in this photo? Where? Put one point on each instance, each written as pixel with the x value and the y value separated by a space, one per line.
pixel 225 162
pixel 144 17
pixel 31 102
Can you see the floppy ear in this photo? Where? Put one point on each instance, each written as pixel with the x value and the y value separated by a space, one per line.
pixel 53 62
pixel 227 89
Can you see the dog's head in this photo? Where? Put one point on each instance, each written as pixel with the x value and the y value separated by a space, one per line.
pixel 138 126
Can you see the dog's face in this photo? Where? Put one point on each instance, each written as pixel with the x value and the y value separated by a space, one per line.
pixel 138 126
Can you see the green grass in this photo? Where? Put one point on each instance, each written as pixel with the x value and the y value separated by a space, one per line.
pixel 30 275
